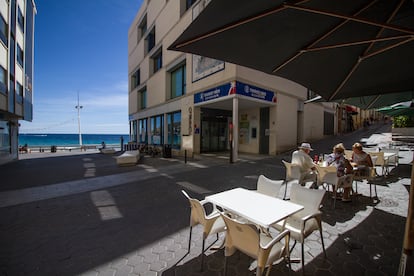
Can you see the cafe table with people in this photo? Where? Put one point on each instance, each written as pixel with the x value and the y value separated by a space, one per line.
pixel 351 166
pixel 335 170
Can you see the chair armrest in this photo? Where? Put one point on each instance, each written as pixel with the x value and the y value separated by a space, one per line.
pixel 214 206
pixel 308 217
pixel 275 239
pixel 314 215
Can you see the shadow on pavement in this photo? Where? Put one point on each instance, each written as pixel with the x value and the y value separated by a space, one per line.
pixel 74 234
pixel 353 253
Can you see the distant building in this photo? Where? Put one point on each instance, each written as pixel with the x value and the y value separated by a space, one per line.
pixel 192 102
pixel 16 72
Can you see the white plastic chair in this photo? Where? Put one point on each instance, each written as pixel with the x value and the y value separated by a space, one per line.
pixel 366 175
pixel 394 160
pixel 292 173
pixel 212 223
pixel 268 186
pixel 306 221
pixel 380 161
pixel 262 247
pixel 328 175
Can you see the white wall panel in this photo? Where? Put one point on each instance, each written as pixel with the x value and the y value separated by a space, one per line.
pixel 22 5
pixel 20 38
pixel 19 74
pixel 4 7
pixel 3 56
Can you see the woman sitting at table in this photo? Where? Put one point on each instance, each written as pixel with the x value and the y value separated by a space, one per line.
pixel 361 159
pixel 343 168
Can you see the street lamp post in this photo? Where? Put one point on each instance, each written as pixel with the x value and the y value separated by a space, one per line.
pixel 79 107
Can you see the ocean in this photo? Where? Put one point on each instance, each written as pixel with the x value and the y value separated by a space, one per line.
pixel 71 140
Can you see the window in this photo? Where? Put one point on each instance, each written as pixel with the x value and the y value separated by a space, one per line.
pixel 12 93
pixel 157 61
pixel 178 82
pixel 143 99
pixel 5 138
pixel 133 127
pixel 20 20
pixel 19 55
pixel 142 28
pixel 174 129
pixel 157 130
pixel 142 131
pixel 3 80
pixel 150 41
pixel 19 93
pixel 135 79
pixel 3 30
pixel 12 52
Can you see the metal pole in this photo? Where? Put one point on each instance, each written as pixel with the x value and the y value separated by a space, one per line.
pixel 78 107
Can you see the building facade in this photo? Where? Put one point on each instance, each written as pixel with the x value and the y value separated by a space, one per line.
pixel 16 72
pixel 198 104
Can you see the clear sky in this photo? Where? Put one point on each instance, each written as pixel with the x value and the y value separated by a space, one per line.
pixel 81 46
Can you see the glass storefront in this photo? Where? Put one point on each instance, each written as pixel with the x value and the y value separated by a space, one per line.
pixel 214 130
pixel 174 129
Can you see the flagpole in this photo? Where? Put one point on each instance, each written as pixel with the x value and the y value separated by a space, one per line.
pixel 79 107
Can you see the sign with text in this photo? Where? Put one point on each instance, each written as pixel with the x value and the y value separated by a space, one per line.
pixel 238 88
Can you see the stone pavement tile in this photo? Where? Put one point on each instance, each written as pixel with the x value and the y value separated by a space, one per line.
pixel 364 236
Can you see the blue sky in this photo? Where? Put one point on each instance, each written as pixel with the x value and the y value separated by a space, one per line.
pixel 81 46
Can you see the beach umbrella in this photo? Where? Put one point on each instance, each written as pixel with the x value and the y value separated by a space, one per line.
pixel 378 101
pixel 373 101
pixel 338 49
pixel 399 109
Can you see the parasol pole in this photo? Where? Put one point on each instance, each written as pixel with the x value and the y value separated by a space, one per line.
pixel 79 107
pixel 409 229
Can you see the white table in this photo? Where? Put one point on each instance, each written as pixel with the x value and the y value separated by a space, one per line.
pixel 258 208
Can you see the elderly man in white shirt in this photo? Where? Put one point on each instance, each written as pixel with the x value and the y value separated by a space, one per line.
pixel 307 167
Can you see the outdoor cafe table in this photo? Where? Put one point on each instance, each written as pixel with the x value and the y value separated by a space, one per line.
pixel 260 209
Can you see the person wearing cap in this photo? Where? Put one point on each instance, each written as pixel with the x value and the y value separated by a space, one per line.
pixel 302 158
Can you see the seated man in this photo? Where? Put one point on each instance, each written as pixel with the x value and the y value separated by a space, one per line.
pixel 307 167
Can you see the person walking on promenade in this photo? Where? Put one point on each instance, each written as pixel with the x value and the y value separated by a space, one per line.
pixel 122 143
pixel 307 167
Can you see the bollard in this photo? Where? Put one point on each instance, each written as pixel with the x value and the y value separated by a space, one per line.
pixel 185 156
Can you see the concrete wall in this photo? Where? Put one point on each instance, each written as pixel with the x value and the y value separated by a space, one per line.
pixel 249 119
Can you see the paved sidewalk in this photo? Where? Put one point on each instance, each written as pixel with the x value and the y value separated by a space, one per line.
pixel 83 215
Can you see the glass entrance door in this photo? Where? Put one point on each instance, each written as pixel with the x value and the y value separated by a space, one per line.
pixel 214 136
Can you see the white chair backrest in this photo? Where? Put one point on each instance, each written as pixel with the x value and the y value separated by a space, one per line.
pixel 268 187
pixel 198 213
pixel 292 171
pixel 327 174
pixel 241 236
pixel 394 160
pixel 380 161
pixel 310 199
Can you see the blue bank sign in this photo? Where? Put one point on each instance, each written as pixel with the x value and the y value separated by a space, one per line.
pixel 235 87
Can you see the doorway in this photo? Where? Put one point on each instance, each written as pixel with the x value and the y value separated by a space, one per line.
pixel 214 130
